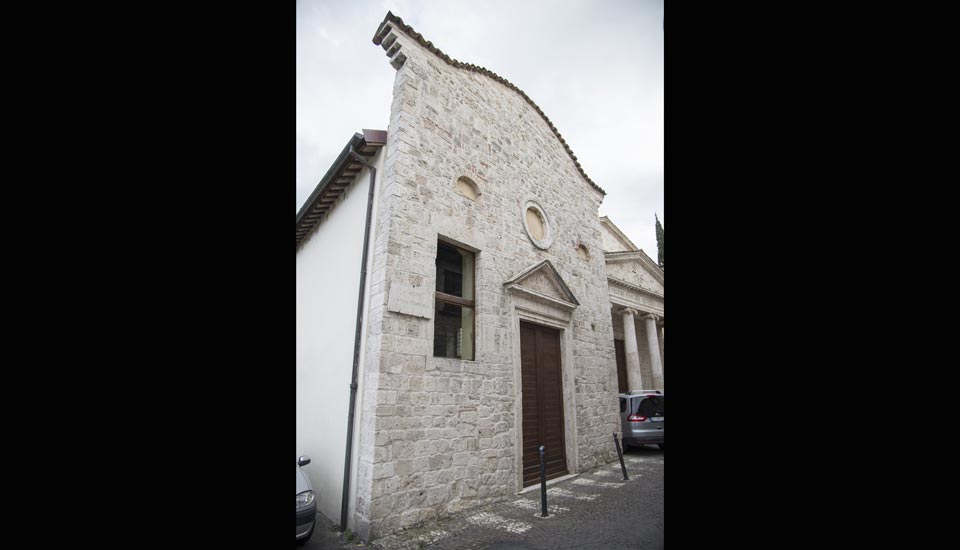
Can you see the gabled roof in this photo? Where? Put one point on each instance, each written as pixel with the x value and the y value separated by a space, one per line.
pixel 390 21
pixel 338 177
pixel 618 234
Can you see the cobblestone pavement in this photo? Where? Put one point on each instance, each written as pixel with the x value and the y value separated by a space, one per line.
pixel 596 509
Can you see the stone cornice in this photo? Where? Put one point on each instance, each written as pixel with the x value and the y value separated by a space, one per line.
pixel 390 21
pixel 624 302
pixel 630 286
pixel 549 300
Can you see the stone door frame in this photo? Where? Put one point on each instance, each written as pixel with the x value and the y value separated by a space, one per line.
pixel 559 316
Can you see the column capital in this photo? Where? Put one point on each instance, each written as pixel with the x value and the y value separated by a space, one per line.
pixel 651 317
pixel 629 310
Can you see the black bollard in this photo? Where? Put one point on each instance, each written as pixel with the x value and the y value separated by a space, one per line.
pixel 543 483
pixel 620 454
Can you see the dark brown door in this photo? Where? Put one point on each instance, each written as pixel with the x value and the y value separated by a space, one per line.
pixel 621 366
pixel 542 402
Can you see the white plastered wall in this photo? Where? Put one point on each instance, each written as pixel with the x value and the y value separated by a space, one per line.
pixel 328 278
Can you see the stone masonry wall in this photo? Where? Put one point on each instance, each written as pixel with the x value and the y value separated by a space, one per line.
pixel 370 439
pixel 438 435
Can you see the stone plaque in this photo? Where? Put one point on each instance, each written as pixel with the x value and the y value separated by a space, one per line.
pixel 410 300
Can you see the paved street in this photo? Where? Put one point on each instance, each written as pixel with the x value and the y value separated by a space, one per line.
pixel 596 509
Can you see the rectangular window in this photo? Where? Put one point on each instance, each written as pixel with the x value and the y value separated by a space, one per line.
pixel 650 406
pixel 453 322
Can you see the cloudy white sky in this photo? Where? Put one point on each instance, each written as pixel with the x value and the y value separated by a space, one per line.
pixel 595 67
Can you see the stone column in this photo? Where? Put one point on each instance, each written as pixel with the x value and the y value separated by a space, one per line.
pixel 630 350
pixel 653 343
pixel 663 360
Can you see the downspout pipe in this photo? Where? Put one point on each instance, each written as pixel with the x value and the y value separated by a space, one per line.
pixel 356 339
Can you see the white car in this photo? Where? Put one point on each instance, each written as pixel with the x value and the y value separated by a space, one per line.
pixel 306 504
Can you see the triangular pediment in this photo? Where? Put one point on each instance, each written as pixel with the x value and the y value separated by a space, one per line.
pixel 635 268
pixel 542 281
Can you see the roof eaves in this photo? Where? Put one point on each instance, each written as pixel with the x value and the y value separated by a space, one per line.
pixel 336 180
pixel 328 177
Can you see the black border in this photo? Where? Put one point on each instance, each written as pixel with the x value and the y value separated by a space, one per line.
pixel 167 359
pixel 159 212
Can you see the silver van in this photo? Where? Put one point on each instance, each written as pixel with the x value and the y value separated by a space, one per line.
pixel 641 417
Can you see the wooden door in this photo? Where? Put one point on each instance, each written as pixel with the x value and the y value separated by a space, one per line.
pixel 621 366
pixel 542 403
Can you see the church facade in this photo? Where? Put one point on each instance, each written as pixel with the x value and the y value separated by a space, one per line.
pixel 460 303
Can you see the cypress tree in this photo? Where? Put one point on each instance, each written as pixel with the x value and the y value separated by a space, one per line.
pixel 659 241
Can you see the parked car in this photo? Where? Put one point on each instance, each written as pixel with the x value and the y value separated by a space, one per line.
pixel 306 503
pixel 641 417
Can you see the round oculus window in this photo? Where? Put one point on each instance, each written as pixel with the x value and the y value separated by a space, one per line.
pixel 537 225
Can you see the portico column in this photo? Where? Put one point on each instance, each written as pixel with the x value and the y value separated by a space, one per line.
pixel 662 345
pixel 630 350
pixel 653 343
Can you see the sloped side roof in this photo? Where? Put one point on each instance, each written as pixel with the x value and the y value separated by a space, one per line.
pixel 391 20
pixel 338 177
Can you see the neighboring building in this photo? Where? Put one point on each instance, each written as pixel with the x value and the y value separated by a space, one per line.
pixel 492 296
pixel 636 294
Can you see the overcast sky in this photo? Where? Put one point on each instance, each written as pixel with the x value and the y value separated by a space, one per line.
pixel 595 68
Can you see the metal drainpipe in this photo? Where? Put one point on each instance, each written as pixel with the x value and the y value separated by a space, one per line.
pixel 356 340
